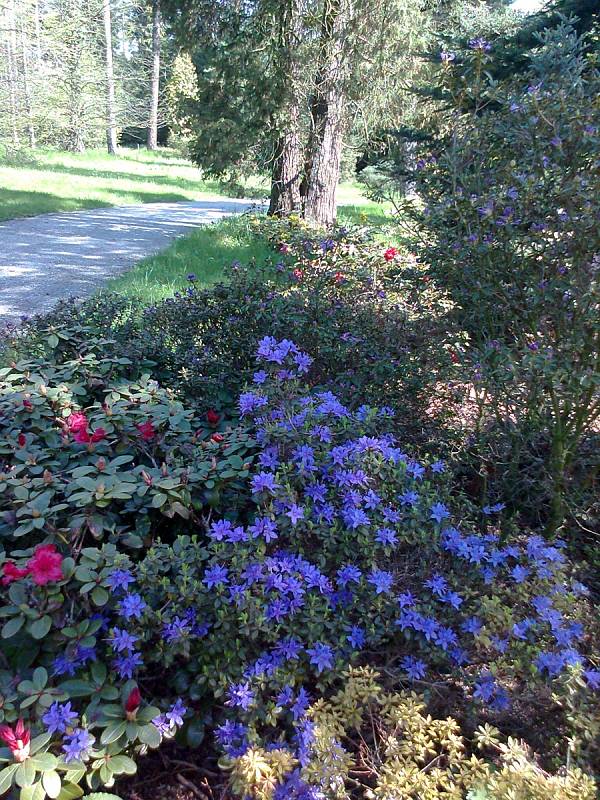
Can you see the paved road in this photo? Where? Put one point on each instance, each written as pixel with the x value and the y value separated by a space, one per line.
pixel 44 259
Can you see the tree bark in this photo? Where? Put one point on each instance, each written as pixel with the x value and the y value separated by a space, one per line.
pixel 111 113
pixel 328 117
pixel 12 72
pixel 155 80
pixel 26 86
pixel 287 170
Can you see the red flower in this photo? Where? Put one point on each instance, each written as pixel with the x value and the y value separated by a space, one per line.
pixel 217 437
pixel 339 277
pixel 454 358
pixel 83 437
pixel 21 440
pixel 212 416
pixel 298 274
pixel 45 565
pixel 147 431
pixel 77 422
pixel 284 248
pixel 17 740
pixel 390 254
pixel 11 573
pixel 133 703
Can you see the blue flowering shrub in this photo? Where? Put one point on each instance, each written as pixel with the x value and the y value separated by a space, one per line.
pixel 509 226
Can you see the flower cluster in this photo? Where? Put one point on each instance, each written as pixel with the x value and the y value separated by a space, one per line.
pixel 44 566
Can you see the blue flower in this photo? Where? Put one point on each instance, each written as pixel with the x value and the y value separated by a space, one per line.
pixel 409 498
pixel 264 482
pixel 127 665
pixel 438 467
pixel 240 694
pixel 177 712
pixel 414 668
pixel 77 745
pixel 295 513
pixel 122 640
pixel 381 580
pixel 439 512
pixel 321 656
pixel 356 637
pixel 249 402
pixel 59 717
pixel 132 605
pixel 301 704
pixel 120 579
pixel 438 585
pixel 386 536
pixel 215 575
pixel 472 625
pixel 592 677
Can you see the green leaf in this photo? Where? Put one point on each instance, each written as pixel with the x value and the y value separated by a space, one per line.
pixel 113 731
pixel 44 761
pixel 6 777
pixel 99 596
pixel 40 678
pixel 40 627
pixel 70 791
pixel 52 783
pixel 123 764
pixel 77 688
pixel 148 734
pixel 39 741
pixel 13 626
pixel 25 774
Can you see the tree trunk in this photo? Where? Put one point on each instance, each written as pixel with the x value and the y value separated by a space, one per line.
pixel 287 170
pixel 38 32
pixel 12 72
pixel 111 113
pixel 328 116
pixel 26 86
pixel 155 81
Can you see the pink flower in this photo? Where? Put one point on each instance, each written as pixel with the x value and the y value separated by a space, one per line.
pixel 83 437
pixel 45 565
pixel 11 573
pixel 17 740
pixel 77 422
pixel 133 703
pixel 147 431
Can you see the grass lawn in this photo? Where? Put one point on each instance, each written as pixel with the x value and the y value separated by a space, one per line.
pixel 42 181
pixel 206 252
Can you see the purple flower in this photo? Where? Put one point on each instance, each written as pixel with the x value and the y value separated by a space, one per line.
pixel 301 704
pixel 437 584
pixel 519 573
pixel 240 694
pixel 122 640
pixel 480 44
pixel 264 482
pixel 348 574
pixel 215 575
pixel 386 536
pixel 59 717
pixel 381 580
pixel 249 402
pixel 295 513
pixel 127 665
pixel 176 714
pixel 265 527
pixel 472 625
pixel 409 498
pixel 446 57
pixel 77 745
pixel 132 605
pixel 439 512
pixel 592 677
pixel 414 667
pixel 120 579
pixel 321 656
pixel 356 637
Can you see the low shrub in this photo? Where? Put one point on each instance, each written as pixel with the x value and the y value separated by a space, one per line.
pixel 380 744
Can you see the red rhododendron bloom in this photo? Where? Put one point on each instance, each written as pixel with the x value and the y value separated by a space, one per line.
pixel 45 565
pixel 77 422
pixel 217 437
pixel 147 431
pixel 298 274
pixel 21 440
pixel 83 437
pixel 390 254
pixel 454 358
pixel 212 416
pixel 133 703
pixel 11 573
pixel 28 405
pixel 339 277
pixel 17 740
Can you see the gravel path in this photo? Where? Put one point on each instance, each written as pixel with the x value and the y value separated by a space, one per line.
pixel 44 259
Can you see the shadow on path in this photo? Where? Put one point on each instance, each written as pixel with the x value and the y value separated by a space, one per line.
pixel 46 258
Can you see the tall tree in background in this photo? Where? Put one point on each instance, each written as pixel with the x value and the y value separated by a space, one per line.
pixel 111 113
pixel 155 79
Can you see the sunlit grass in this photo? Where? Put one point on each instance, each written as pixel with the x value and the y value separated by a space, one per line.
pixel 42 181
